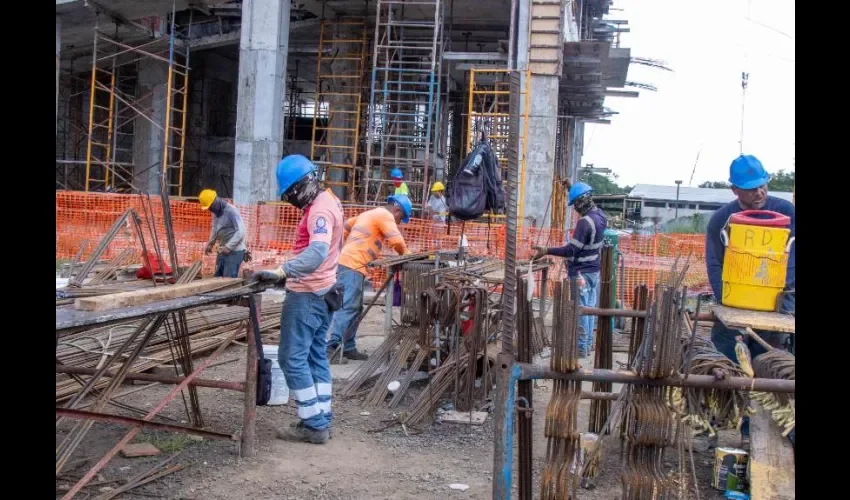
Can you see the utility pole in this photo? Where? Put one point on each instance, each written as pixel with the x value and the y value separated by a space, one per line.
pixel 744 77
pixel 678 184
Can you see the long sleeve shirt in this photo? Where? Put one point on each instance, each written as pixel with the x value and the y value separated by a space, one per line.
pixel 228 228
pixel 715 251
pixel 583 249
pixel 365 235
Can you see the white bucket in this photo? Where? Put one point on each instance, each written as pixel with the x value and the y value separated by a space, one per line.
pixel 280 391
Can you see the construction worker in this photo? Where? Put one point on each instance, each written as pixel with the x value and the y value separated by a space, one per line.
pixel 437 207
pixel 400 185
pixel 749 183
pixel 310 289
pixel 582 252
pixel 229 230
pixel 364 237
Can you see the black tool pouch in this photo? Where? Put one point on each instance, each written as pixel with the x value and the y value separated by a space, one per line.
pixel 334 296
pixel 264 366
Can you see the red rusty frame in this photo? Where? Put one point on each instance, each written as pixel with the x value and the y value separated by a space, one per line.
pixel 120 419
pixel 162 404
pixel 150 377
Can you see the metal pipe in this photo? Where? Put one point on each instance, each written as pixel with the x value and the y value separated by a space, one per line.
pixel 150 377
pixel 119 419
pixel 531 372
pixel 612 313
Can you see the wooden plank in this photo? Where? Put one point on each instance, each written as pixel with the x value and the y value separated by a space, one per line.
pixel 148 295
pixel 757 320
pixel 464 417
pixel 772 474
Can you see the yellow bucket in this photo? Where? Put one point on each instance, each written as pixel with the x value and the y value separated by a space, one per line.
pixel 756 260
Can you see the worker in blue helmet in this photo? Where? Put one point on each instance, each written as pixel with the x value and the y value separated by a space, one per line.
pixel 582 253
pixel 398 182
pixel 749 180
pixel 366 236
pixel 312 295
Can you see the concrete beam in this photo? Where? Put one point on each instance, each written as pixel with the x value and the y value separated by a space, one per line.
pixel 621 93
pixel 262 79
pixel 232 38
pixel 474 56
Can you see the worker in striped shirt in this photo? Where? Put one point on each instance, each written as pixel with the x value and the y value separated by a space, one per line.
pixel 364 239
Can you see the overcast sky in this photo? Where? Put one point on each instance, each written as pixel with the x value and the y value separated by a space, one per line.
pixel 656 137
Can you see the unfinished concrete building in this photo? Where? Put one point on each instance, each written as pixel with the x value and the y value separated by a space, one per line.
pixel 213 94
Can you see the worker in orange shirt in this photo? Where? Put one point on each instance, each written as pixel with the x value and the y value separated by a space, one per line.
pixel 364 238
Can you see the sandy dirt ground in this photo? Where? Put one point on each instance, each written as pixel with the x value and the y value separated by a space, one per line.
pixel 358 463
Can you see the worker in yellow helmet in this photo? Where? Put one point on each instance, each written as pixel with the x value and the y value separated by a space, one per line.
pixel 437 209
pixel 229 230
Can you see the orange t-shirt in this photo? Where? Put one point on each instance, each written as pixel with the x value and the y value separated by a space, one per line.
pixel 364 238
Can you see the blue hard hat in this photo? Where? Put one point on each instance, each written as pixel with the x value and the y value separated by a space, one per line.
pixel 747 172
pixel 396 173
pixel 292 169
pixel 578 189
pixel 404 202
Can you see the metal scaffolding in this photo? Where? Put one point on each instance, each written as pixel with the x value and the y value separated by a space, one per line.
pixel 489 114
pixel 114 107
pixel 405 89
pixel 335 141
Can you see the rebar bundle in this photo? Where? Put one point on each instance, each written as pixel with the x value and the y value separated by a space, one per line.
pixel 648 428
pixel 702 404
pixel 414 281
pixel 777 363
pixel 604 358
pixel 642 297
pixel 649 425
pixel 559 480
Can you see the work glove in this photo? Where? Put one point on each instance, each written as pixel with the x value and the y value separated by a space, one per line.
pixel 224 250
pixel 268 276
pixel 539 253
pixel 208 249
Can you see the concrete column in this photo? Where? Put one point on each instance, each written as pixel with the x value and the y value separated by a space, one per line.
pixel 574 155
pixel 147 137
pixel 458 100
pixel 58 45
pixel 540 160
pixel 262 82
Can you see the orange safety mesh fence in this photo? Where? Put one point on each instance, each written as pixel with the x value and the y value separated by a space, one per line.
pixel 646 259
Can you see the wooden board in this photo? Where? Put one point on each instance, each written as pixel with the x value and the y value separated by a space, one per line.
pixel 463 417
pixel 772 474
pixel 148 295
pixel 757 320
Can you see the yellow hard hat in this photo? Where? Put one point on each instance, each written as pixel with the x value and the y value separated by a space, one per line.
pixel 438 186
pixel 206 198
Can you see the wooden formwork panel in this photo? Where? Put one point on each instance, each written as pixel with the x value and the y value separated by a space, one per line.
pixel 546 37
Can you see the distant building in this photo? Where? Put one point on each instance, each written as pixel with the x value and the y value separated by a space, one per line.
pixel 658 203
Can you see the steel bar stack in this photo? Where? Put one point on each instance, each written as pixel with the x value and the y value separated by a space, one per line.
pixel 649 425
pixel 599 409
pixel 559 480
pixel 777 364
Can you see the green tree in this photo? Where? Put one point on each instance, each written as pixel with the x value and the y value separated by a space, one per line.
pixel 781 181
pixel 603 184
pixel 715 185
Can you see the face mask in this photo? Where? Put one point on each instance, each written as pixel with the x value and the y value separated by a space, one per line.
pixel 397 182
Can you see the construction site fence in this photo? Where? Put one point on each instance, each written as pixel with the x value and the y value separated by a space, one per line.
pixel 83 219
